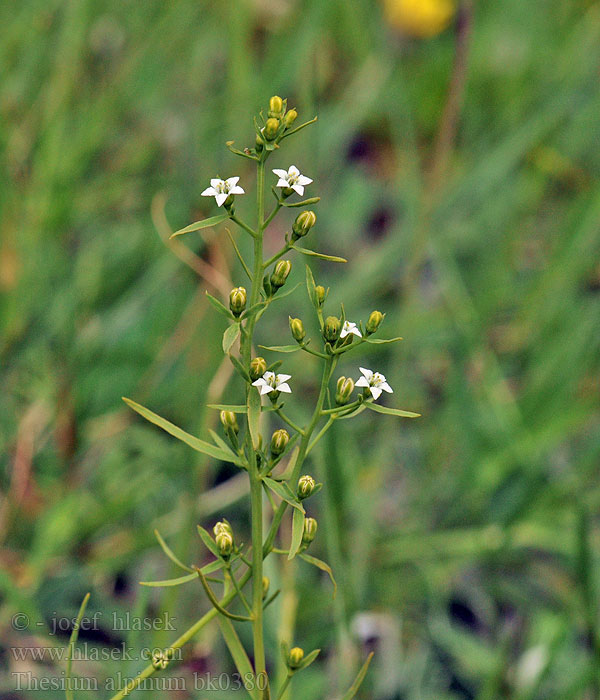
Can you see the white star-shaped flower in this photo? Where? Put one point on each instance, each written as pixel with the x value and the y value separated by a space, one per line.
pixel 375 382
pixel 293 179
pixel 273 382
pixel 221 189
pixel 349 328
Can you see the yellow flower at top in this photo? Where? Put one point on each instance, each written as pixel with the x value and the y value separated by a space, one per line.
pixel 419 18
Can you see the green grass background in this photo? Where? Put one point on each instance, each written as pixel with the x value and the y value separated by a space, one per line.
pixel 465 543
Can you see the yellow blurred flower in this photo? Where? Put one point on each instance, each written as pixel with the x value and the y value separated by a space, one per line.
pixel 419 18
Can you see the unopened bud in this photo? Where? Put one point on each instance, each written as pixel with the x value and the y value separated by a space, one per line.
pixel 306 485
pixel 374 322
pixel 260 144
pixel 290 118
pixel 222 526
pixel 224 542
pixel 310 531
pixel 265 585
pixel 237 300
pixel 295 657
pixel 279 441
pixel 320 295
pixel 280 273
pixel 275 106
pixel 258 367
pixel 331 329
pixel 303 224
pixel 344 389
pixel 297 328
pixel 271 129
pixel 229 421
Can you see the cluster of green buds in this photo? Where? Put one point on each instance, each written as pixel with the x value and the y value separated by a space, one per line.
pixel 279 120
pixel 224 538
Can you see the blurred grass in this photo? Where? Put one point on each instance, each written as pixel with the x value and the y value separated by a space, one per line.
pixel 468 540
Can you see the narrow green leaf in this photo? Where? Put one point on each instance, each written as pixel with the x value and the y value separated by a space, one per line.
pixel 359 679
pixel 381 341
pixel 308 659
pixel 254 409
pixel 170 581
pixel 281 348
pixel 205 223
pixel 297 532
pixel 239 656
pixel 310 286
pixel 323 256
pixel 230 336
pixel 209 543
pixel 303 203
pixel 239 367
pixel 391 411
pixel 320 565
pixel 289 470
pixel 194 442
pixel 353 413
pixel 284 492
pixel 219 306
pixel 234 408
pixel 169 552
pixel 218 440
pixel 71 646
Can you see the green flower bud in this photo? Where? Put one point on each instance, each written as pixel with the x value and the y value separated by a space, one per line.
pixel 310 531
pixel 271 129
pixel 265 585
pixel 224 542
pixel 280 274
pixel 279 441
pixel 237 300
pixel 297 328
pixel 258 367
pixel 160 660
pixel 260 144
pixel 290 118
pixel 320 295
pixel 222 526
pixel 295 657
pixel 331 329
pixel 374 322
pixel 303 224
pixel 229 421
pixel 275 106
pixel 306 485
pixel 345 387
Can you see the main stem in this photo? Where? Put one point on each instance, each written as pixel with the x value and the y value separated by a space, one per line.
pixel 255 480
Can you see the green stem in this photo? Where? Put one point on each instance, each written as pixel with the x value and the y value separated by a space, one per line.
pixel 241 224
pixel 284 686
pixel 320 434
pixel 278 255
pixel 289 421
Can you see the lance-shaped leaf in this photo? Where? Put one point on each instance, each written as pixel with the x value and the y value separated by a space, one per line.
pixel 281 348
pixel 239 656
pixel 311 287
pixel 208 569
pixel 193 442
pixel 352 413
pixel 323 256
pixel 391 411
pixel 215 602
pixel 169 552
pixel 359 679
pixel 284 492
pixel 71 647
pixel 381 341
pixel 218 440
pixel 230 336
pixel 303 203
pixel 297 532
pixel 239 367
pixel 254 409
pixel 320 565
pixel 219 306
pixel 289 470
pixel 209 543
pixel 308 659
pixel 205 223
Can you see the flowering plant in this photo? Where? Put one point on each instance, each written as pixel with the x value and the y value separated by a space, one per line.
pixel 274 466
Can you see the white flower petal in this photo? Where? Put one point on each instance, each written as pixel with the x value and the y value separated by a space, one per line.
pixel 367 373
pixel 298 188
pixel 236 189
pixel 232 181
pixel 293 170
pixel 375 392
pixel 259 382
pixel 362 381
pixel 303 180
pixel 282 183
pixel 209 192
pixel 283 377
pixel 216 181
pixel 284 387
pixel 221 197
pixel 268 376
pixel 344 332
pixel 266 389
pixel 280 173
pixel 356 332
pixel 386 387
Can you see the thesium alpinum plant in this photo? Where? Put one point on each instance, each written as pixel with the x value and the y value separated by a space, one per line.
pixel 275 462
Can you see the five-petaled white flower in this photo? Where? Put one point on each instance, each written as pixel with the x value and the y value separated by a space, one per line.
pixel 273 382
pixel 221 189
pixel 375 382
pixel 293 179
pixel 349 328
